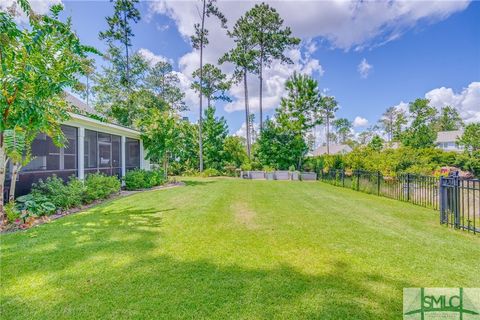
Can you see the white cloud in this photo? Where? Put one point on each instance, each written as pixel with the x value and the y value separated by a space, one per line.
pixel 242 131
pixel 467 101
pixel 345 24
pixel 274 80
pixel 360 122
pixel 153 58
pixel 38 6
pixel 364 68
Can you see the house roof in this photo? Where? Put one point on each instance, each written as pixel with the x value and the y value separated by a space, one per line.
pixel 448 136
pixel 82 117
pixel 79 104
pixel 333 148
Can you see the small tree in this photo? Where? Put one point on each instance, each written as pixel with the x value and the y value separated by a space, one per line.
pixel 421 133
pixel 214 135
pixel 37 64
pixel 376 143
pixel 328 107
pixel 234 151
pixel 280 147
pixel 471 137
pixel 343 128
pixel 159 135
pixel 393 120
pixel 449 119
pixel 161 80
pixel 299 110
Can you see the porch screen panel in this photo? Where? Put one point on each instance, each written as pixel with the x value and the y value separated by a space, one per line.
pixel 49 159
pixel 132 154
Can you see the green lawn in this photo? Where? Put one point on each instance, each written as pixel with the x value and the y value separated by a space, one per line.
pixel 234 249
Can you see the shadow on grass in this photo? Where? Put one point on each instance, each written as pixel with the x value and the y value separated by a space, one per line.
pixel 194 183
pixel 108 263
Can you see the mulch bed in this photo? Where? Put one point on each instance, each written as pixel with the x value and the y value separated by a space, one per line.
pixel 12 227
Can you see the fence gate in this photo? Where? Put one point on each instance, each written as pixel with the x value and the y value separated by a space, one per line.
pixel 460 202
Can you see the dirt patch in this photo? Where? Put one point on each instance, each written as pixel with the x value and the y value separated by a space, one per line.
pixel 244 215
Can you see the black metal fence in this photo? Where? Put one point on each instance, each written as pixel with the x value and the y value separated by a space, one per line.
pixel 457 200
pixel 460 203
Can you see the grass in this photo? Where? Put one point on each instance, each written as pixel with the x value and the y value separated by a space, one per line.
pixel 234 249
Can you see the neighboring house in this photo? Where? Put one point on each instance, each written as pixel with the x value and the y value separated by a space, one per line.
pixel 92 146
pixel 391 145
pixel 333 149
pixel 447 140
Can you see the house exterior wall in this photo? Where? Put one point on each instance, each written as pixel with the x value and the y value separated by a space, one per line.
pixel 92 146
pixel 449 146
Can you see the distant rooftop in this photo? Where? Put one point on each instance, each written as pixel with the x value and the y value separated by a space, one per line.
pixel 448 136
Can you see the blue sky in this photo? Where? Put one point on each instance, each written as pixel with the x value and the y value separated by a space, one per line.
pixel 409 49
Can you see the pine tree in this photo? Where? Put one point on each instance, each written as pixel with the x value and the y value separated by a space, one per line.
pixel 328 106
pixel 199 41
pixel 119 29
pixel 270 40
pixel 214 134
pixel 214 84
pixel 449 119
pixel 243 56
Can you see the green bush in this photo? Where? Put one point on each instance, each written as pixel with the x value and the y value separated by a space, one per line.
pixel 210 172
pixel 230 170
pixel 142 179
pixel 12 212
pixel 99 186
pixel 62 195
pixel 35 204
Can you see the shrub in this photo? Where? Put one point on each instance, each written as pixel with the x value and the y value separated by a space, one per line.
pixel 99 186
pixel 12 212
pixel 35 204
pixel 142 179
pixel 230 170
pixel 62 195
pixel 210 172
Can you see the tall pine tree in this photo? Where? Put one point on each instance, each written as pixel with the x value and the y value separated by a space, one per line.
pixel 199 41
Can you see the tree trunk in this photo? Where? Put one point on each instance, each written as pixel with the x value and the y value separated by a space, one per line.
pixel 126 50
pixel 328 135
pixel 3 167
pixel 261 90
pixel 200 142
pixel 13 181
pixel 247 111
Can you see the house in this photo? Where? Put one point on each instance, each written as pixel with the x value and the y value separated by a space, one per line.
pixel 447 140
pixel 92 146
pixel 333 149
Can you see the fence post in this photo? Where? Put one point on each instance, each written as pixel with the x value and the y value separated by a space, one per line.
pixel 358 180
pixel 441 197
pixel 456 201
pixel 378 182
pixel 408 187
